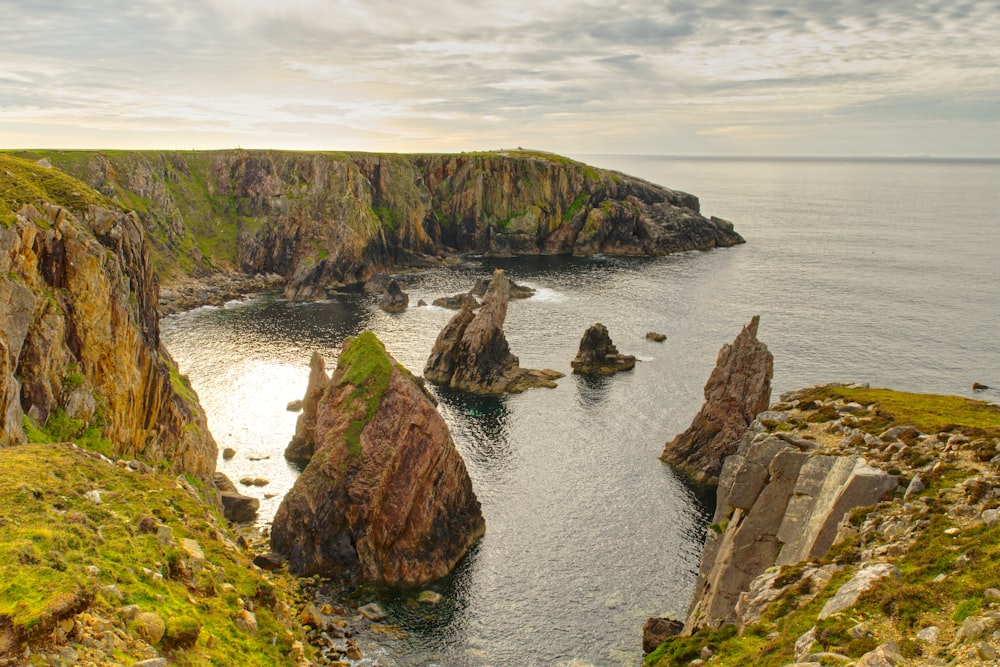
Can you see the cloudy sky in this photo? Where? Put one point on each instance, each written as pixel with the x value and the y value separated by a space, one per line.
pixel 677 77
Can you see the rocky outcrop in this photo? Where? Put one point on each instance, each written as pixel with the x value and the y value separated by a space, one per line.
pixel 80 352
pixel 235 506
pixel 321 220
pixel 516 291
pixel 598 355
pixel 471 352
pixel 386 498
pixel 301 447
pixel 738 388
pixel 457 301
pixel 393 299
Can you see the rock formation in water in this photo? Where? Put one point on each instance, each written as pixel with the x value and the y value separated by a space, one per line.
pixel 235 506
pixel 80 352
pixel 393 299
pixel 301 447
pixel 471 352
pixel 457 301
pixel 738 388
pixel 386 498
pixel 322 220
pixel 598 355
pixel 516 291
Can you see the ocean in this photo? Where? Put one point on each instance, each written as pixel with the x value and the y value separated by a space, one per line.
pixel 879 271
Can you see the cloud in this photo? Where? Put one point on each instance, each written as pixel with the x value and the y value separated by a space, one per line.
pixel 429 75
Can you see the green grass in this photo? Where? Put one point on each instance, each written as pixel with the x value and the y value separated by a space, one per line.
pixel 574 207
pixel 50 533
pixel 367 368
pixel 24 182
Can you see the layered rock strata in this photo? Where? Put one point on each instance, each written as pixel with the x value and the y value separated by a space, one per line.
pixel 80 351
pixel 738 388
pixel 598 355
pixel 471 352
pixel 386 498
pixel 322 220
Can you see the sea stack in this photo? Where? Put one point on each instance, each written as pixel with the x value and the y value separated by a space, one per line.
pixel 301 447
pixel 471 352
pixel 394 299
pixel 738 388
pixel 598 355
pixel 386 498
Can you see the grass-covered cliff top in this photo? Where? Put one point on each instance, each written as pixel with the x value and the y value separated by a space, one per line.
pixel 25 182
pixel 943 538
pixel 92 549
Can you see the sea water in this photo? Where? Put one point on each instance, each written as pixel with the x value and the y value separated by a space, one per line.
pixel 872 271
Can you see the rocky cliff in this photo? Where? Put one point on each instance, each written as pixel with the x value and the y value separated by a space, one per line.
pixel 853 526
pixel 326 219
pixel 471 352
pixel 738 388
pixel 386 498
pixel 80 352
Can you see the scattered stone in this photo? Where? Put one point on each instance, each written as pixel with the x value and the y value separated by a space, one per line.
pixel 164 535
pixel 393 299
pixel 979 387
pixel 991 594
pixel 915 486
pixel 269 561
pixel 655 337
pixel 239 508
pixel 738 388
pixel 150 626
pixel 152 662
pixel 92 570
pixel 294 406
pixel 951 532
pixel 93 496
pixel 228 453
pixel 973 628
pixel 804 644
pixel 847 595
pixel 598 355
pixel 193 549
pixel 657 630
pixel 986 652
pixel 129 612
pixel 246 621
pixel 254 481
pixel 429 597
pixel 372 611
pixel 929 634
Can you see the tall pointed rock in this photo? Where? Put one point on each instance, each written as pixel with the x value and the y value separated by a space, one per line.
pixel 471 352
pixel 386 498
pixel 738 388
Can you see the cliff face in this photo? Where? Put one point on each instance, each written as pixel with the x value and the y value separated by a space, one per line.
pixel 738 388
pixel 80 352
pixel 386 498
pixel 327 219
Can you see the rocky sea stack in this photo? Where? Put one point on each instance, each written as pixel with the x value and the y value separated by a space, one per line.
pixel 471 352
pixel 598 355
pixel 386 498
pixel 738 388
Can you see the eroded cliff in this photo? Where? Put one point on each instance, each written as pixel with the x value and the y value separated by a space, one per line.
pixel 80 352
pixel 327 219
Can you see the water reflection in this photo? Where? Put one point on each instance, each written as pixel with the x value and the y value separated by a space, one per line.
pixel 591 389
pixel 480 426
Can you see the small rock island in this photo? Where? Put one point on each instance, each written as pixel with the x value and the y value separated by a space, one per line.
pixel 386 498
pixel 598 355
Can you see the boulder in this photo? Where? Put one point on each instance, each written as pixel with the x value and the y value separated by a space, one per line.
pixel 471 352
pixel 377 283
pixel 598 355
pixel 657 630
pixel 457 301
pixel 393 299
pixel 300 448
pixel 386 498
pixel 655 337
pixel 738 388
pixel 516 291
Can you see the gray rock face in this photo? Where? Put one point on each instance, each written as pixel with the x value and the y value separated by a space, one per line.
pixel 394 299
pixel 783 506
pixel 848 594
pixel 738 388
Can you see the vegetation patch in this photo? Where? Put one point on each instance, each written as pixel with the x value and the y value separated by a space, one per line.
pixel 574 207
pixel 367 368
pixel 24 182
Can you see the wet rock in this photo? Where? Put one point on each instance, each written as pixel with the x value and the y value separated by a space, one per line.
pixel 239 508
pixel 429 597
pixel 976 386
pixel 457 302
pixel 294 406
pixel 598 355
pixel 471 352
pixel 393 299
pixel 301 447
pixel 516 291
pixel 738 388
pixel 372 611
pixel 657 630
pixel 655 337
pixel 377 283
pixel 386 497
pixel 228 453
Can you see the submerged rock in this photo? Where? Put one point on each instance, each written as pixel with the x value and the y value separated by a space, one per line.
pixel 471 352
pixel 394 299
pixel 386 498
pixel 598 355
pixel 655 337
pixel 738 388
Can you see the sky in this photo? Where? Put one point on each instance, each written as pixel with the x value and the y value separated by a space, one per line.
pixel 684 77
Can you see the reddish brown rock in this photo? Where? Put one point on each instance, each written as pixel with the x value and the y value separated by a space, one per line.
pixel 471 352
pixel 300 449
pixel 386 498
pixel 738 388
pixel 598 355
